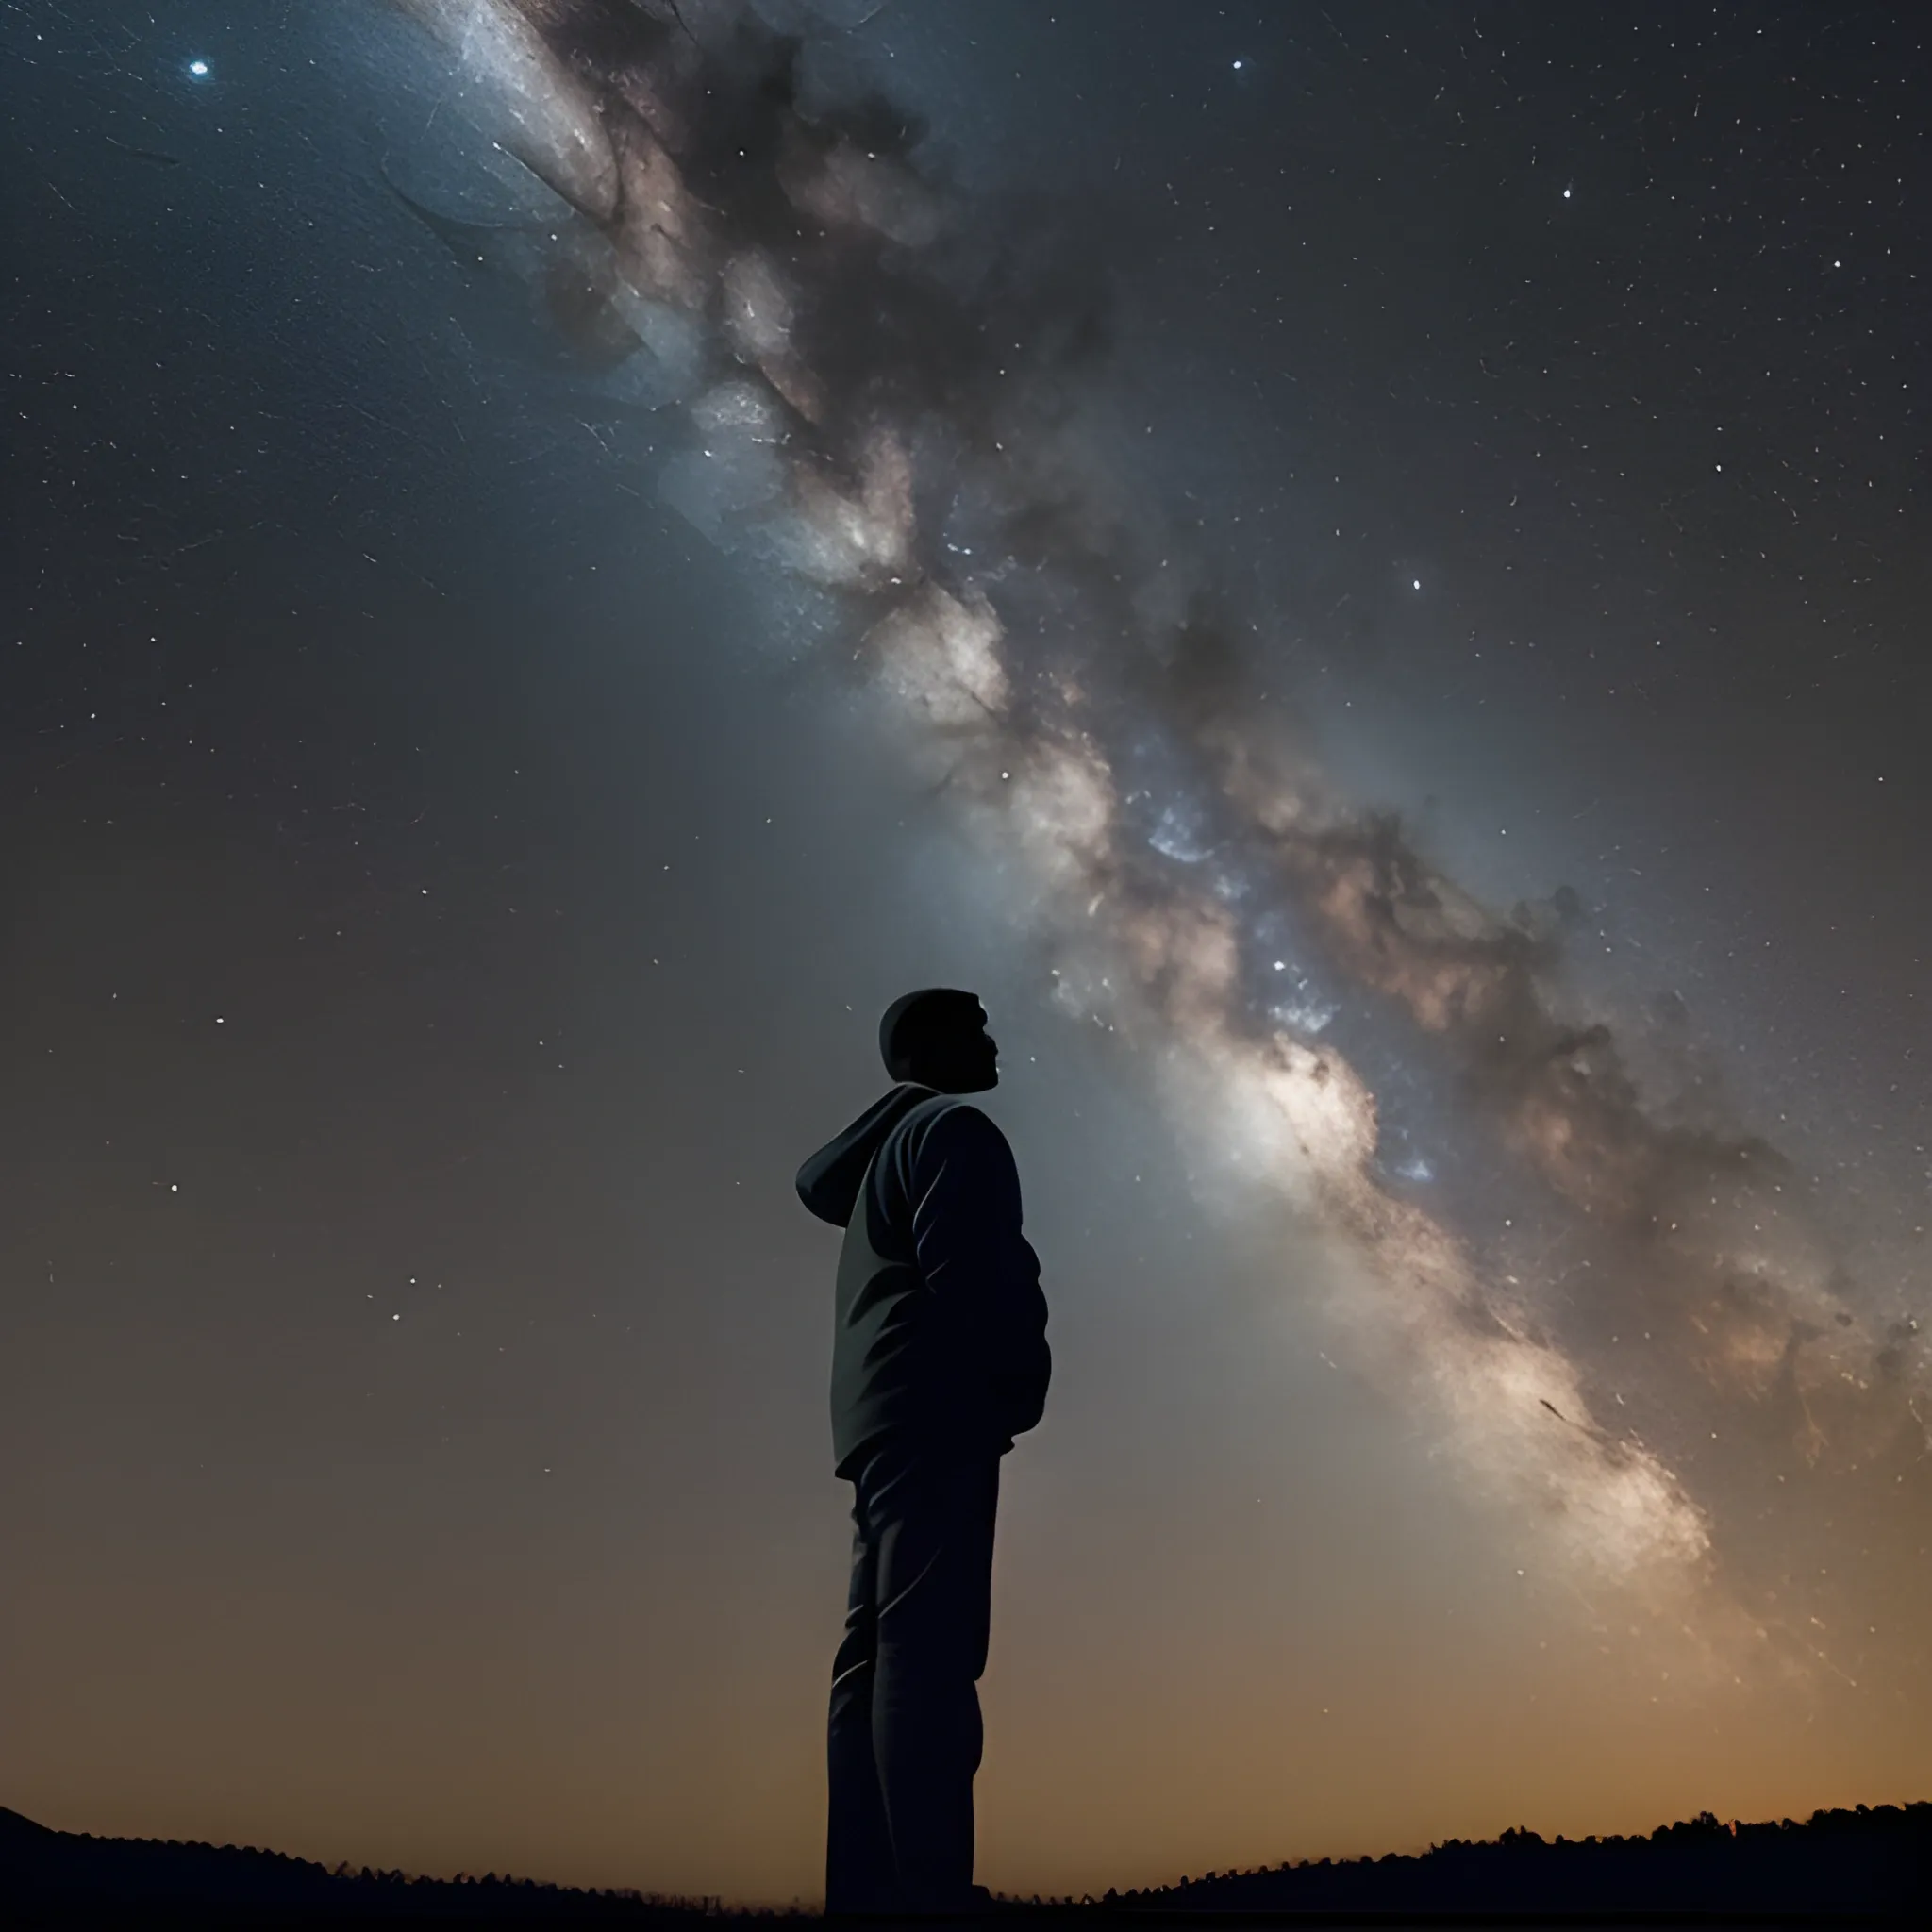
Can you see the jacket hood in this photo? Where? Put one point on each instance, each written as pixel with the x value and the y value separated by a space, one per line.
pixel 829 1182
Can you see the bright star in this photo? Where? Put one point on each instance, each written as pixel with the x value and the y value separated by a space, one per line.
pixel 1566 195
pixel 199 68
pixel 1238 65
pixel 1417 582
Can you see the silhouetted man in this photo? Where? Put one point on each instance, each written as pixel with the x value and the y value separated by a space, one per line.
pixel 939 1359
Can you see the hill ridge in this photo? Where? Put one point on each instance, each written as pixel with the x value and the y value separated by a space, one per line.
pixel 1871 1861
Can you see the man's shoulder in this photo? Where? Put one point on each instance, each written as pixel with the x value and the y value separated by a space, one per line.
pixel 949 1128
pixel 953 1114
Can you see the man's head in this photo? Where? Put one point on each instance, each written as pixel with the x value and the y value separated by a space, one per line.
pixel 937 1038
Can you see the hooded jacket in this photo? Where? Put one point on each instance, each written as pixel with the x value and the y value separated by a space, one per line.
pixel 940 1326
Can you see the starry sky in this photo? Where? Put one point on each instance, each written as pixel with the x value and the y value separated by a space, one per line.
pixel 1358 574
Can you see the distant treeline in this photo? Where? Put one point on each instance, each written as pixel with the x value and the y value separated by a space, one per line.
pixel 1873 1859
pixel 1870 1861
pixel 58 1873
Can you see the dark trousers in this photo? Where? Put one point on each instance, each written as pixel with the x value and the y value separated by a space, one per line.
pixel 905 1737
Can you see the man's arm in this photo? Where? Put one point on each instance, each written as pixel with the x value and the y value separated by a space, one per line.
pixel 974 1259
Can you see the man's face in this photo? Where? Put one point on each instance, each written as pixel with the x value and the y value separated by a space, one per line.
pixel 968 1059
pixel 983 1059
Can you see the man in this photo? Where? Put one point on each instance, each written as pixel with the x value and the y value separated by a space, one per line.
pixel 939 1359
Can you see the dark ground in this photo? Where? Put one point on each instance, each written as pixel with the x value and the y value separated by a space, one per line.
pixel 1870 1865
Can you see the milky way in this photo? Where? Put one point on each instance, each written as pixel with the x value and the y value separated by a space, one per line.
pixel 1639 1342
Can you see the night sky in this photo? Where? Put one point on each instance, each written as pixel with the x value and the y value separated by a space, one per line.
pixel 1358 572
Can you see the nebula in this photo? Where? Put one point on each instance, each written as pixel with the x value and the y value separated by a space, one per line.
pixel 891 399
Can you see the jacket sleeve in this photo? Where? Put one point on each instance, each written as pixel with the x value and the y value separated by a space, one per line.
pixel 979 1264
